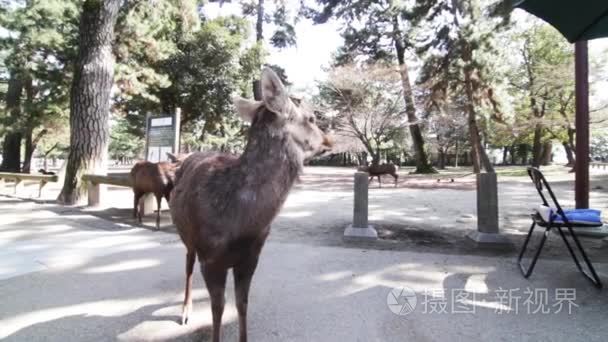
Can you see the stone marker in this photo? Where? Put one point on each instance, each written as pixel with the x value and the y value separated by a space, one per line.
pixel 19 186
pixel 360 227
pixel 95 193
pixel 487 233
pixel 147 204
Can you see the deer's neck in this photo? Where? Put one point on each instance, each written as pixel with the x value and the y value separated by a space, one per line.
pixel 271 163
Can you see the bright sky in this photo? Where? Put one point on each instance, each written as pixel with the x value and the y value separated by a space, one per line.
pixel 304 62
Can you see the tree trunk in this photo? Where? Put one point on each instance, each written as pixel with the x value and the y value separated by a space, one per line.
pixel 537 147
pixel 11 146
pixel 259 38
pixel 457 152
pixel 30 146
pixel 422 161
pixel 512 151
pixel 505 155
pixel 90 97
pixel 569 153
pixel 478 152
pixel 546 154
pixel 441 154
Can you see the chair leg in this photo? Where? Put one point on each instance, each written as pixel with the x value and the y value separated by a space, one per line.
pixel 591 275
pixel 527 272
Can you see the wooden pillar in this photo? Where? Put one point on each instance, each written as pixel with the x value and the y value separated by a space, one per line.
pixel 582 125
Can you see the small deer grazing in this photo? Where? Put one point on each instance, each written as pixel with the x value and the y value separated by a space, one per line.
pixel 375 170
pixel 156 178
pixel 222 205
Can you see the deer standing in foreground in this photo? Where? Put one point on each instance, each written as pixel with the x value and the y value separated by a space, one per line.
pixel 222 205
pixel 380 170
pixel 156 178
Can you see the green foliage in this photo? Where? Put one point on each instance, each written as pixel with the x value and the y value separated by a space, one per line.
pixel 202 72
pixel 123 144
pixel 38 50
pixel 369 30
pixel 598 147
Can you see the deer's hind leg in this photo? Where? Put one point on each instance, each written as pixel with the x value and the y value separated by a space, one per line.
pixel 159 198
pixel 215 279
pixel 396 176
pixel 187 307
pixel 136 197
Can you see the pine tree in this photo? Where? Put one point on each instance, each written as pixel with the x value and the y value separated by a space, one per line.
pixel 90 96
pixel 458 52
pixel 377 30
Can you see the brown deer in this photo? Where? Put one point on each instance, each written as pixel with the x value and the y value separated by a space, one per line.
pixel 375 170
pixel 222 205
pixel 156 178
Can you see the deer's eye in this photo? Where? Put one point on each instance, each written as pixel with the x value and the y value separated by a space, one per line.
pixel 311 119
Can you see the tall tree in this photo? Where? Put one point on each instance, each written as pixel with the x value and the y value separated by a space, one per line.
pixel 376 30
pixel 11 146
pixel 90 96
pixel 366 104
pixel 41 47
pixel 458 45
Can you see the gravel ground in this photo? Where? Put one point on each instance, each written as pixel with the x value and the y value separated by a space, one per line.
pixel 422 213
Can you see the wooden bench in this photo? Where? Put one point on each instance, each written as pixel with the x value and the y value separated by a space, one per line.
pixel 96 185
pixel 18 179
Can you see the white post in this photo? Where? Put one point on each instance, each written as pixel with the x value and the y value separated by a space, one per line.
pixel 360 227
pixel 176 125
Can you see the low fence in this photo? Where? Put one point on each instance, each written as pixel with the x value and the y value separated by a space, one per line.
pixel 598 165
pixel 96 186
pixel 19 178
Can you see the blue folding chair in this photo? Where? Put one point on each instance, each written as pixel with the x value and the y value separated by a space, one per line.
pixel 556 217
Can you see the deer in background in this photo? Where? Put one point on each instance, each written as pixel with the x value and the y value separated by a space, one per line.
pixel 156 178
pixel 375 170
pixel 222 205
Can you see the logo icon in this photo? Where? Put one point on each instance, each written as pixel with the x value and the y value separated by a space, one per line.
pixel 401 300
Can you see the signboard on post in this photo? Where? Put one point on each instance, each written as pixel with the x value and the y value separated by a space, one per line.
pixel 162 136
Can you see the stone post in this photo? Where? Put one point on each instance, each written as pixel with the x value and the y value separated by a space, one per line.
pixel 95 193
pixel 360 227
pixel 147 204
pixel 19 186
pixel 487 233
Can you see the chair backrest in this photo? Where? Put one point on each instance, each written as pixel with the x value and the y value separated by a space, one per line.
pixel 541 184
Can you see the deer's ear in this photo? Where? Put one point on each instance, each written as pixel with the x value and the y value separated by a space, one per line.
pixel 274 93
pixel 246 108
pixel 172 157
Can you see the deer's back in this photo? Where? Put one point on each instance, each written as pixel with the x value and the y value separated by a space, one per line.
pixel 153 177
pixel 194 202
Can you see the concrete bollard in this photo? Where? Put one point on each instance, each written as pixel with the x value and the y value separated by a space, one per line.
pixel 42 184
pixel 147 204
pixel 95 193
pixel 487 233
pixel 360 227
pixel 19 185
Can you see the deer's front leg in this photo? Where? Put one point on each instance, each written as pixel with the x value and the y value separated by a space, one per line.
pixel 243 273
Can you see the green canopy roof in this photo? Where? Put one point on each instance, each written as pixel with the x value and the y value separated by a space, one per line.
pixel 575 19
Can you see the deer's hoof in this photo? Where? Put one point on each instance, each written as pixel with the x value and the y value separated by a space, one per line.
pixel 186 311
